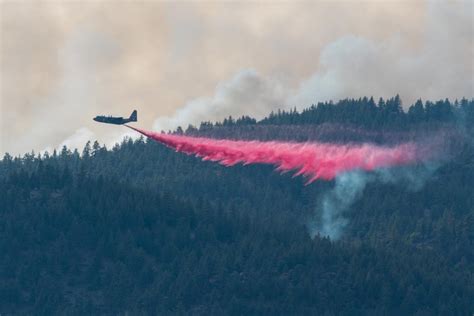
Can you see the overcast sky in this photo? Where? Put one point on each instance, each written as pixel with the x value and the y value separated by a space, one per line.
pixel 180 63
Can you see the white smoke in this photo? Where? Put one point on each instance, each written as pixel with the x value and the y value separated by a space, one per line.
pixel 439 66
pixel 78 139
pixel 247 93
pixel 75 141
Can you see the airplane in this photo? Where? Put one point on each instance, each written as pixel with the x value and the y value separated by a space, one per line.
pixel 116 120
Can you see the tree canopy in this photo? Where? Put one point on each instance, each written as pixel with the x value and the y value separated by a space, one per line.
pixel 140 229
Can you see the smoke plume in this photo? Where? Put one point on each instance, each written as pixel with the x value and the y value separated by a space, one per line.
pixel 246 92
pixel 348 187
pixel 330 217
pixel 353 66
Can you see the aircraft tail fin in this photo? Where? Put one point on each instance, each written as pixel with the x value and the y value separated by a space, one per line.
pixel 133 116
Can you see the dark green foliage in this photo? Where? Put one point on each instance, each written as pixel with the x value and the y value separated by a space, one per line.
pixel 140 229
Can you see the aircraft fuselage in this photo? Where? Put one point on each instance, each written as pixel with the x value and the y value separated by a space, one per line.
pixel 117 120
pixel 111 120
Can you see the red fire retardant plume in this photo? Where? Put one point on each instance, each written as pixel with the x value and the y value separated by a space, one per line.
pixel 313 160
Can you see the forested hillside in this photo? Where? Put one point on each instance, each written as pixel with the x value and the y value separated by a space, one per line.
pixel 140 229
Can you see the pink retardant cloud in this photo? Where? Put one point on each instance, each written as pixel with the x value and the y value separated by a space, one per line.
pixel 313 160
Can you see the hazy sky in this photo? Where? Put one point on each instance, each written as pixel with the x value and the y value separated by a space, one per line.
pixel 63 62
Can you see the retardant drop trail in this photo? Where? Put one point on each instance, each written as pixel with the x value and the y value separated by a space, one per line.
pixel 313 160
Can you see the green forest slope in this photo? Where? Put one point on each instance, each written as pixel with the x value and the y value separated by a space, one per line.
pixel 140 229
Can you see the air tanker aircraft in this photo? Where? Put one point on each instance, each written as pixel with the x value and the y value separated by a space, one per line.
pixel 116 120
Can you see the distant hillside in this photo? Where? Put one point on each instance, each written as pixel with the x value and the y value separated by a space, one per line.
pixel 141 229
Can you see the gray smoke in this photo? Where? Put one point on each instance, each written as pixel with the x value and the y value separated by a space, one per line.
pixel 330 218
pixel 348 187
